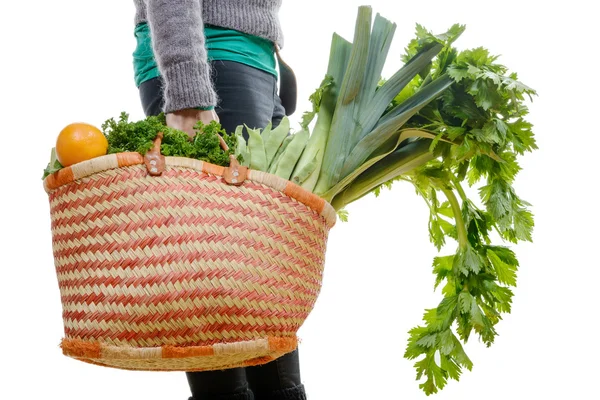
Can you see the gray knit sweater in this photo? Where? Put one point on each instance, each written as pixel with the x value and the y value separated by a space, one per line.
pixel 177 28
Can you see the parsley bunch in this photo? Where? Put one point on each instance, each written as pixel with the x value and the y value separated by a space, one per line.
pixel 481 130
pixel 138 136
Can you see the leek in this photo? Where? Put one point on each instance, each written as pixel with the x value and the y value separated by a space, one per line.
pixel 338 143
pixel 353 136
pixel 398 163
pixel 325 106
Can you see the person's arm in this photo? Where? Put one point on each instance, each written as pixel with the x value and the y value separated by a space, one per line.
pixel 178 41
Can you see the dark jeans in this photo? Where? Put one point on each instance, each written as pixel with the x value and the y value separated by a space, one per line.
pixel 246 96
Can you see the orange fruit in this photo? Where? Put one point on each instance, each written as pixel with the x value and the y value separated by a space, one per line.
pixel 80 142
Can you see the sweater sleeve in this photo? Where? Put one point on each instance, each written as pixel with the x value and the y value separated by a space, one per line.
pixel 178 40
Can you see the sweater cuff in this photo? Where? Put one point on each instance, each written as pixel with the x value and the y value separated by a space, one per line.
pixel 188 85
pixel 140 12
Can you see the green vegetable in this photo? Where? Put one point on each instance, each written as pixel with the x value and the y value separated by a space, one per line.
pixel 256 150
pixel 306 170
pixel 291 154
pixel 138 136
pixel 280 151
pixel 479 129
pixel 207 144
pixel 53 166
pixel 361 132
pixel 241 150
pixel 398 163
pixel 266 132
pixel 343 123
pixel 323 100
pixel 444 120
pixel 342 215
pixel 276 137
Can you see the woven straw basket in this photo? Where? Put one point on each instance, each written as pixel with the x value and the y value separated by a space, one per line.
pixel 183 271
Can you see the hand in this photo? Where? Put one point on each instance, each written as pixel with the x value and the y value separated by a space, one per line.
pixel 184 120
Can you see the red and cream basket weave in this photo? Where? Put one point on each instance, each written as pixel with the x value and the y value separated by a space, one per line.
pixel 183 271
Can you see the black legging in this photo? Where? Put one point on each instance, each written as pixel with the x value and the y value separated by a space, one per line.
pixel 246 96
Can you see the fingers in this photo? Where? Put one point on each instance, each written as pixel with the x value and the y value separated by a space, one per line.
pixel 185 120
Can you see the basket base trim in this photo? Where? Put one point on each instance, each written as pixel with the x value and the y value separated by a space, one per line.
pixel 181 358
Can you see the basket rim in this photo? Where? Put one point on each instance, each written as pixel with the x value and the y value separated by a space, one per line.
pixel 95 165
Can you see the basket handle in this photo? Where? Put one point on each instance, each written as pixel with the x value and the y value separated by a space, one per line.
pixel 155 162
pixel 222 143
pixel 235 174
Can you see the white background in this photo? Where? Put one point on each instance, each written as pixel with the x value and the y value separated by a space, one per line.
pixel 65 61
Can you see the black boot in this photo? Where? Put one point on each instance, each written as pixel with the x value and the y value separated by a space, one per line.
pixel 230 384
pixel 294 393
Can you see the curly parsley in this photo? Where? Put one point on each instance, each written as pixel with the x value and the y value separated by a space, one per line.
pixel 138 136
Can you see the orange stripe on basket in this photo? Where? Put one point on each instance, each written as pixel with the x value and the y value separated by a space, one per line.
pixel 62 177
pixel 213 169
pixel 79 348
pixel 183 352
pixel 304 196
pixel 282 344
pixel 128 159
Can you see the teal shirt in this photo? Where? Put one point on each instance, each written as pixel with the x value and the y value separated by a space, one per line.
pixel 144 64
pixel 221 44
pixel 230 45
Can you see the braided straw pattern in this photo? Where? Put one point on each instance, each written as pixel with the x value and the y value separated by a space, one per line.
pixel 182 271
